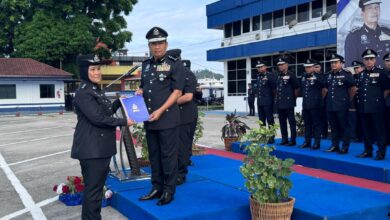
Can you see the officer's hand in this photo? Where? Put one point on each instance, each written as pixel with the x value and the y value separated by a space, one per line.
pixel 155 115
pixel 130 122
pixel 139 92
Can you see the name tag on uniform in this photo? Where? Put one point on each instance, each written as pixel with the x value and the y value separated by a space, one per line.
pixel 340 77
pixel 373 75
pixel 286 77
pixel 163 67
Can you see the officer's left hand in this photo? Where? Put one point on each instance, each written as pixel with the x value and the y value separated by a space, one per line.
pixel 155 115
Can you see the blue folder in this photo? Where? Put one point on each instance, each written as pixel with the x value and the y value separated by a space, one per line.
pixel 135 108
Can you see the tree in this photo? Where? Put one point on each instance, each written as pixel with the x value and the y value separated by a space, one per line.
pixel 201 74
pixel 55 32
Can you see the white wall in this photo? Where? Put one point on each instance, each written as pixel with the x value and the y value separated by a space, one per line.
pixel 28 92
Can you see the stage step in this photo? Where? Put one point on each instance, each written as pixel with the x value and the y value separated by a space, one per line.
pixel 215 190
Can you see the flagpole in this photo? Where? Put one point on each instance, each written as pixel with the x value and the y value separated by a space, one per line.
pixel 124 75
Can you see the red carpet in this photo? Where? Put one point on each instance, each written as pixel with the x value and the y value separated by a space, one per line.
pixel 339 178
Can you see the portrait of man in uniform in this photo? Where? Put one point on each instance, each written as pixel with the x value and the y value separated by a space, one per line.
pixel 373 34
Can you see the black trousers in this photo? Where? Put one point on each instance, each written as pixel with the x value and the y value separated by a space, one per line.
pixel 355 123
pixel 324 122
pixel 251 107
pixel 374 127
pixel 94 172
pixel 285 114
pixel 339 127
pixel 312 125
pixel 266 114
pixel 163 151
pixel 192 134
pixel 185 148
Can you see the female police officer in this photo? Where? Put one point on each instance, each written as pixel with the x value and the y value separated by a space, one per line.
pixel 94 139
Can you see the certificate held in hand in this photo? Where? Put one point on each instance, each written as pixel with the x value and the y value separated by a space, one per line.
pixel 135 108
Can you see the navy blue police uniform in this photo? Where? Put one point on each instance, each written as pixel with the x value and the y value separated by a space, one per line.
pixel 353 117
pixel 251 101
pixel 387 102
pixel 337 105
pixel 371 106
pixel 159 78
pixel 94 140
pixel 364 38
pixel 188 118
pixel 323 114
pixel 312 103
pixel 265 92
pixel 285 101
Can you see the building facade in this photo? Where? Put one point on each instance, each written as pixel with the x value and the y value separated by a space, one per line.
pixel 27 85
pixel 265 29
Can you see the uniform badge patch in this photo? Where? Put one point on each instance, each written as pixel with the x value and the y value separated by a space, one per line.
pixel 364 39
pixel 384 37
pixel 164 67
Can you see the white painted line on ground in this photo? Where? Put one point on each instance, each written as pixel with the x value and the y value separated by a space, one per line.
pixel 16 132
pixel 37 158
pixel 201 145
pixel 38 139
pixel 22 211
pixel 26 198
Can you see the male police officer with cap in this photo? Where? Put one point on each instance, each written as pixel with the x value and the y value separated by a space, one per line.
pixel 287 86
pixel 94 138
pixel 370 36
pixel 162 82
pixel 322 114
pixel 311 89
pixel 188 118
pixel 372 84
pixel 265 92
pixel 341 89
pixel 354 119
pixel 386 60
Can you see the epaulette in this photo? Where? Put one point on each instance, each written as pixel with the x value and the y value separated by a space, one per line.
pixel 384 27
pixel 173 58
pixel 347 71
pixel 356 28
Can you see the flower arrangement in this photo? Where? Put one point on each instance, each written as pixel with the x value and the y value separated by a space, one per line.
pixel 71 192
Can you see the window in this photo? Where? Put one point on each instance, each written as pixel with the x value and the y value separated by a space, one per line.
pixel 236 28
pixel 267 21
pixel 291 14
pixel 237 78
pixel 302 56
pixel 303 12
pixel 316 7
pixel 331 6
pixel 278 18
pixel 228 30
pixel 8 91
pixel 246 25
pixel 318 55
pixel 47 90
pixel 256 23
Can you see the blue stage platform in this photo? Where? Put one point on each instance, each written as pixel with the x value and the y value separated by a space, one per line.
pixel 347 164
pixel 215 190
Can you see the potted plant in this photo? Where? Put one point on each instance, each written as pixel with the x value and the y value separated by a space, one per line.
pixel 139 135
pixel 70 193
pixel 267 177
pixel 198 135
pixel 233 130
pixel 300 124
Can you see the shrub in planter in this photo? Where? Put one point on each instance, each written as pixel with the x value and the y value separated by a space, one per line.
pixel 233 130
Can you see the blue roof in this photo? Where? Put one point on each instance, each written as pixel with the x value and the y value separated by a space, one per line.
pixel 226 11
pixel 309 40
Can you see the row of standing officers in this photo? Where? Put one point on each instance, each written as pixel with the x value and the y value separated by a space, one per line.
pixel 350 102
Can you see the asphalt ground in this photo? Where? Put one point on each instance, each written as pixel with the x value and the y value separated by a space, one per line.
pixel 35 155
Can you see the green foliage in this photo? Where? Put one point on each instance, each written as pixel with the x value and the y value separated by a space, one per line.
pixel 201 74
pixel 56 32
pixel 267 177
pixel 139 134
pixel 300 123
pixel 199 129
pixel 234 127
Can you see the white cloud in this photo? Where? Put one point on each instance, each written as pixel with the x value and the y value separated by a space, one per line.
pixel 186 24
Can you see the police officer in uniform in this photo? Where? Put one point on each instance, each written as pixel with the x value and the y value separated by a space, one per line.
pixel 354 119
pixel 386 60
pixel 162 82
pixel 322 114
pixel 370 36
pixel 251 100
pixel 287 86
pixel 341 89
pixel 94 140
pixel 372 84
pixel 188 118
pixel 311 89
pixel 265 92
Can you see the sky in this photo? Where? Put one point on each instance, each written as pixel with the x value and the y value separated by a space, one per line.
pixel 186 24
